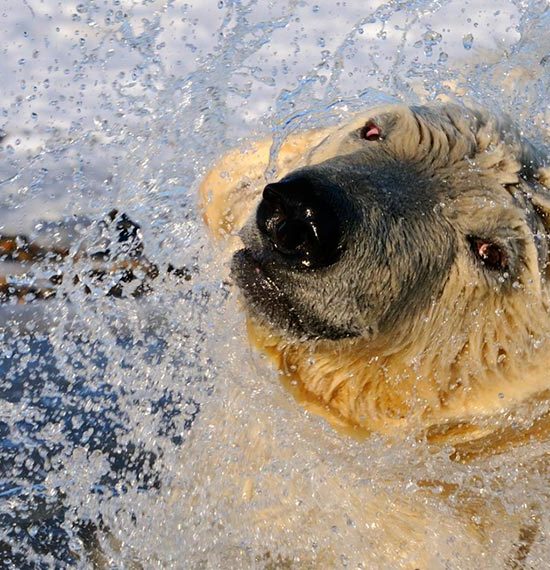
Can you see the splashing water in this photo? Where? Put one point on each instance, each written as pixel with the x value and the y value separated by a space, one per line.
pixel 134 432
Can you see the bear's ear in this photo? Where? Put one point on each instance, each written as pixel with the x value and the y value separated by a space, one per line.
pixel 502 147
pixel 494 143
pixel 229 190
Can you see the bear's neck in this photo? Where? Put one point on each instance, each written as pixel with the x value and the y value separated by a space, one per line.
pixel 362 393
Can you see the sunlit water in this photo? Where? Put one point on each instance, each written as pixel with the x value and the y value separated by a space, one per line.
pixel 151 419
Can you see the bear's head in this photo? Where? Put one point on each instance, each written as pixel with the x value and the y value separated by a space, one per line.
pixel 402 269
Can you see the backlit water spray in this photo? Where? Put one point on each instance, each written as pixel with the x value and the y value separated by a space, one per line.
pixel 135 431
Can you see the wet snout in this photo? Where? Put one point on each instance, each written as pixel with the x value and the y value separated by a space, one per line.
pixel 300 220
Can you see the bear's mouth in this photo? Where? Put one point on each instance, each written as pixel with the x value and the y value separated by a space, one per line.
pixel 268 303
pixel 262 294
pixel 247 267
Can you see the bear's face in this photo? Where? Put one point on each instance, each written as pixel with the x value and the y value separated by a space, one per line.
pixel 397 216
pixel 345 247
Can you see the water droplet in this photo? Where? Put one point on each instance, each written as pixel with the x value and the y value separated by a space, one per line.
pixel 432 38
pixel 467 41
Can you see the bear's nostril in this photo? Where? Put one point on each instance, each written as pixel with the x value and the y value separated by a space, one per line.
pixel 270 214
pixel 287 225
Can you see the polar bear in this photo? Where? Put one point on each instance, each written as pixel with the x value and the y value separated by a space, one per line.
pixel 396 273
pixel 398 268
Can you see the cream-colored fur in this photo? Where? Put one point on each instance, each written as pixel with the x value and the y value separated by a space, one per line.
pixel 473 372
pixel 490 357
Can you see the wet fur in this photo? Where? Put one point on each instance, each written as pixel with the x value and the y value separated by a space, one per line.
pixel 466 366
pixel 471 351
pixel 460 361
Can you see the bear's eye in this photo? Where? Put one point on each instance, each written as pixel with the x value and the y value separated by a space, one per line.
pixel 370 132
pixel 490 254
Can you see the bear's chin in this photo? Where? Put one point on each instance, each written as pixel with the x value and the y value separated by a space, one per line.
pixel 267 304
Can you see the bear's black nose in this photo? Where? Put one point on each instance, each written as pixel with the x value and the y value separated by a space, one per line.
pixel 297 217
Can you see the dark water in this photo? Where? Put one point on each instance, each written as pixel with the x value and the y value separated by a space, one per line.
pixel 85 415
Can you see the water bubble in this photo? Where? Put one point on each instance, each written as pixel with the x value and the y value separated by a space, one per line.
pixel 432 37
pixel 467 41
